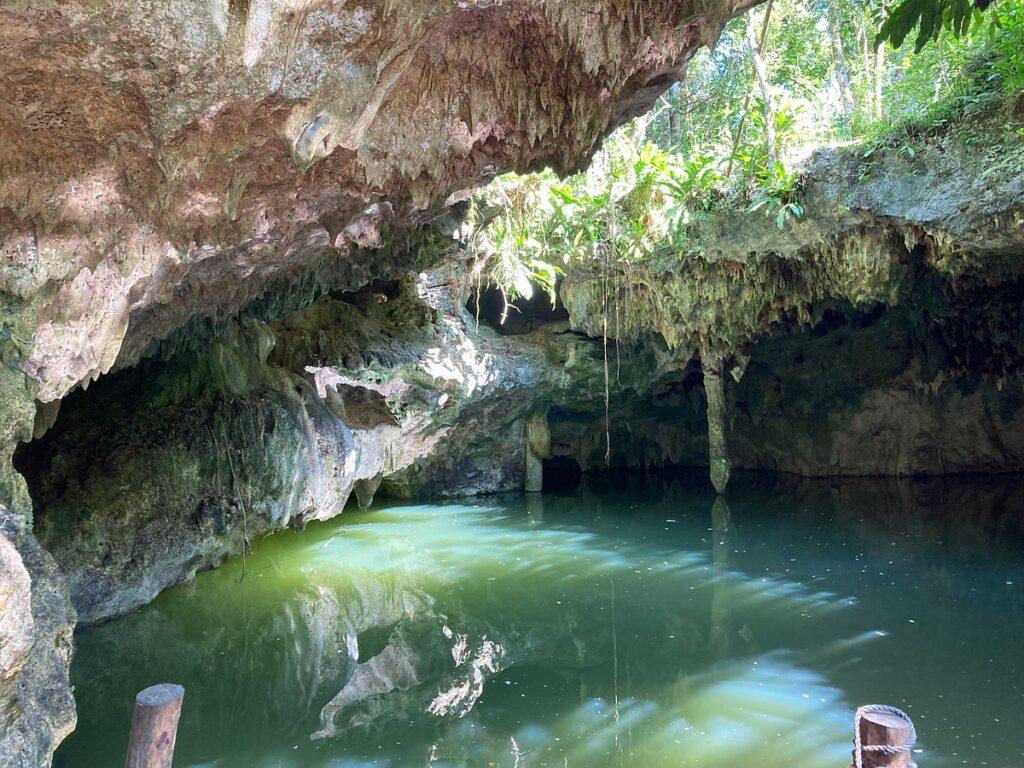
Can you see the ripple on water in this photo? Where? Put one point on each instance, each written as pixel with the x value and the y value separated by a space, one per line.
pixel 559 633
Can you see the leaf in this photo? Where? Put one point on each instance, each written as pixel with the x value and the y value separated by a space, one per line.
pixel 930 17
pixel 523 285
pixel 563 193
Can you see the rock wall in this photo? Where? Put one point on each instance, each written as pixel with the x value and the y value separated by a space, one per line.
pixel 36 622
pixel 935 235
pixel 175 165
pixel 169 467
pixel 166 166
pixel 858 394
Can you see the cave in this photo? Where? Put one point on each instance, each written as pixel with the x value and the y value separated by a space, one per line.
pixel 599 383
pixel 522 315
pixel 562 473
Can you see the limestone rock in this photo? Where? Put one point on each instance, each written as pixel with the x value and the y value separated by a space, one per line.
pixel 167 161
pixel 36 622
pixel 879 333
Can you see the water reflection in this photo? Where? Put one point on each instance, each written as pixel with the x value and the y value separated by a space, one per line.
pixel 670 629
pixel 722 633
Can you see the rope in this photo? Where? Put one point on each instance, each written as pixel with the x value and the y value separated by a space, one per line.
pixel 888 749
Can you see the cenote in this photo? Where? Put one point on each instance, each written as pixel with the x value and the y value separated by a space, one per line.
pixel 511 383
pixel 621 624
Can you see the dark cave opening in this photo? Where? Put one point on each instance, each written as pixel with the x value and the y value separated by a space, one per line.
pixel 561 473
pixel 523 315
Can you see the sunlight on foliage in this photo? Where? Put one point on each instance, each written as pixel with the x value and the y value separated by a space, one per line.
pixel 720 138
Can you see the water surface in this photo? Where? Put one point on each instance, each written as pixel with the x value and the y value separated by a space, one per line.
pixel 644 625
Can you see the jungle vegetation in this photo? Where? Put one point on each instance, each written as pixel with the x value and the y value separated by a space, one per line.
pixel 788 78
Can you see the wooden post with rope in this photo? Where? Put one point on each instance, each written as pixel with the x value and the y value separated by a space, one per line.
pixel 884 737
pixel 154 727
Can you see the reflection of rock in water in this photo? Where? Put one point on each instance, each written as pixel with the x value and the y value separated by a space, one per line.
pixel 435 664
pixel 472 664
pixel 711 719
pixel 267 680
pixel 428 670
pixel 535 508
pixel 409 658
pixel 725 637
pixel 428 621
pixel 721 526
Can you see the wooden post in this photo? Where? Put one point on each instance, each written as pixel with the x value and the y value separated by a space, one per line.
pixel 154 727
pixel 886 727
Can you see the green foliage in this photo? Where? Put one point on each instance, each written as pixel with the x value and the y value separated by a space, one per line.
pixel 930 18
pixel 779 197
pixel 705 142
pixel 692 186
pixel 1008 45
pixel 1006 156
pixel 504 240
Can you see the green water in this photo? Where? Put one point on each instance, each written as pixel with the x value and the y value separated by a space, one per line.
pixel 639 626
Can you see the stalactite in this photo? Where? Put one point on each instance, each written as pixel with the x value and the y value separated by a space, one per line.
pixel 718 449
pixel 538 448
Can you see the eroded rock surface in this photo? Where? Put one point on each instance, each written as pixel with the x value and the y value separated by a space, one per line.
pixel 275 425
pixel 167 165
pixel 879 333
pixel 173 165
pixel 36 622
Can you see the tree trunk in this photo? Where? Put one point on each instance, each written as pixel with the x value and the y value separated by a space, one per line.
pixel 943 71
pixel 866 60
pixel 766 94
pixel 879 79
pixel 842 71
pixel 746 100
